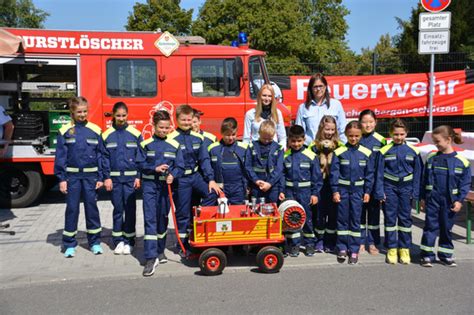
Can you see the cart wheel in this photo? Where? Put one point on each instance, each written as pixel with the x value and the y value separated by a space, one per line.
pixel 212 261
pixel 269 259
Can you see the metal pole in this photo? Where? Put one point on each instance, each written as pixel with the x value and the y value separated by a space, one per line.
pixel 431 93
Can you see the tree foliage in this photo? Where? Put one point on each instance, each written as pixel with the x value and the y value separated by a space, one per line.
pixel 291 32
pixel 21 13
pixel 166 15
pixel 386 58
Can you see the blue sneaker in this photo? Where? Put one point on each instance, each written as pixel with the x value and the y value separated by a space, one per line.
pixel 70 252
pixel 97 249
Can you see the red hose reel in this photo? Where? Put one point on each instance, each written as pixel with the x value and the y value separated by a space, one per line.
pixel 292 214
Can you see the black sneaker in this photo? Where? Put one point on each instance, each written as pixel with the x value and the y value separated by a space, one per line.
pixel 353 259
pixel 426 262
pixel 341 256
pixel 309 251
pixel 150 267
pixel 294 251
pixel 162 259
pixel 449 262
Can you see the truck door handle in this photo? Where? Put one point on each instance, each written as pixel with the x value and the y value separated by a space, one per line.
pixel 162 77
pixel 107 114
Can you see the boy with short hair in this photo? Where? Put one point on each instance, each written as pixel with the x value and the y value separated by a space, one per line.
pixel 227 161
pixel 264 164
pixel 302 181
pixel 196 160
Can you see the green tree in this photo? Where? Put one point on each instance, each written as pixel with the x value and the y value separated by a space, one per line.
pixel 291 32
pixel 386 57
pixel 21 13
pixel 166 15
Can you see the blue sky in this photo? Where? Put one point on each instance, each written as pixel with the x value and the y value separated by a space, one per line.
pixel 368 20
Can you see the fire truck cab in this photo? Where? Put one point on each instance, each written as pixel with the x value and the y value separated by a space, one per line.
pixel 146 70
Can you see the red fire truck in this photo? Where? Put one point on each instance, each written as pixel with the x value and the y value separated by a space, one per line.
pixel 146 70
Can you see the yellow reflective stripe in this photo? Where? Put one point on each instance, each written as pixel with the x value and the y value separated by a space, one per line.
pixel 390 228
pixel 90 169
pixel 152 177
pixel 94 231
pixel 404 229
pixel 344 182
pixel 150 237
pixel 71 234
pixel 191 171
pixel 426 248
pixel 359 183
pixel 363 226
pixel 116 234
pixel 455 191
pixel 344 232
pixel 130 173
pixel 299 184
pixel 355 234
pixel 309 235
pixel 408 178
pixel 373 227
pixel 183 235
pixel 330 231
pixel 445 250
pixel 161 236
pixel 72 169
pixel 441 168
pixel 429 187
pixel 114 173
pixel 259 170
pixel 129 234
pixel 319 231
pixel 293 235
pixel 390 177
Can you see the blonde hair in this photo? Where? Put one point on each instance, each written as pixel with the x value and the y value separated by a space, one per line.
pixel 327 119
pixel 74 102
pixel 273 105
pixel 447 131
pixel 267 128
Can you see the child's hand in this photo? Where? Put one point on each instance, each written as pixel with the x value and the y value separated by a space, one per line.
pixel 161 168
pixel 63 187
pixel 169 179
pixel 259 183
pixel 313 200
pixel 213 186
pixel 137 184
pixel 422 204
pixel 336 197
pixel 265 187
pixel 98 185
pixel 366 198
pixel 456 207
pixel 108 184
pixel 281 197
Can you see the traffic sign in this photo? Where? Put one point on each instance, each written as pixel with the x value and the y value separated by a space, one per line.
pixel 433 42
pixel 434 21
pixel 435 5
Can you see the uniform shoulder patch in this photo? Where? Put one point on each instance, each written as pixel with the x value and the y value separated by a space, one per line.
pixel 200 136
pixel 65 128
pixel 417 151
pixel 340 150
pixel 287 153
pixel 144 143
pixel 212 146
pixel 385 148
pixel 107 133
pixel 364 150
pixel 463 159
pixel 173 142
pixel 173 134
pixel 309 153
pixel 380 138
pixel 94 128
pixel 134 131
pixel 242 144
pixel 209 136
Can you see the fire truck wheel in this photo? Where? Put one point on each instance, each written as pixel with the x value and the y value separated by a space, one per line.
pixel 20 187
pixel 212 261
pixel 269 259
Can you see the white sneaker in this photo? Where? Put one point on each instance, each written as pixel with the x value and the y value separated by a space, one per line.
pixel 119 249
pixel 127 249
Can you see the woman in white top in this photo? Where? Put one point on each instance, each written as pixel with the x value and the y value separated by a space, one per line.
pixel 266 109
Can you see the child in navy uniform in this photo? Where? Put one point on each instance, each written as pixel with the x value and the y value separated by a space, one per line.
pixel 160 162
pixel 352 178
pixel 399 170
pixel 370 220
pixel 302 181
pixel 446 182
pixel 264 164
pixel 227 160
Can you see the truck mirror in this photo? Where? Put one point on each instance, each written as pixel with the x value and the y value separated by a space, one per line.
pixel 238 68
